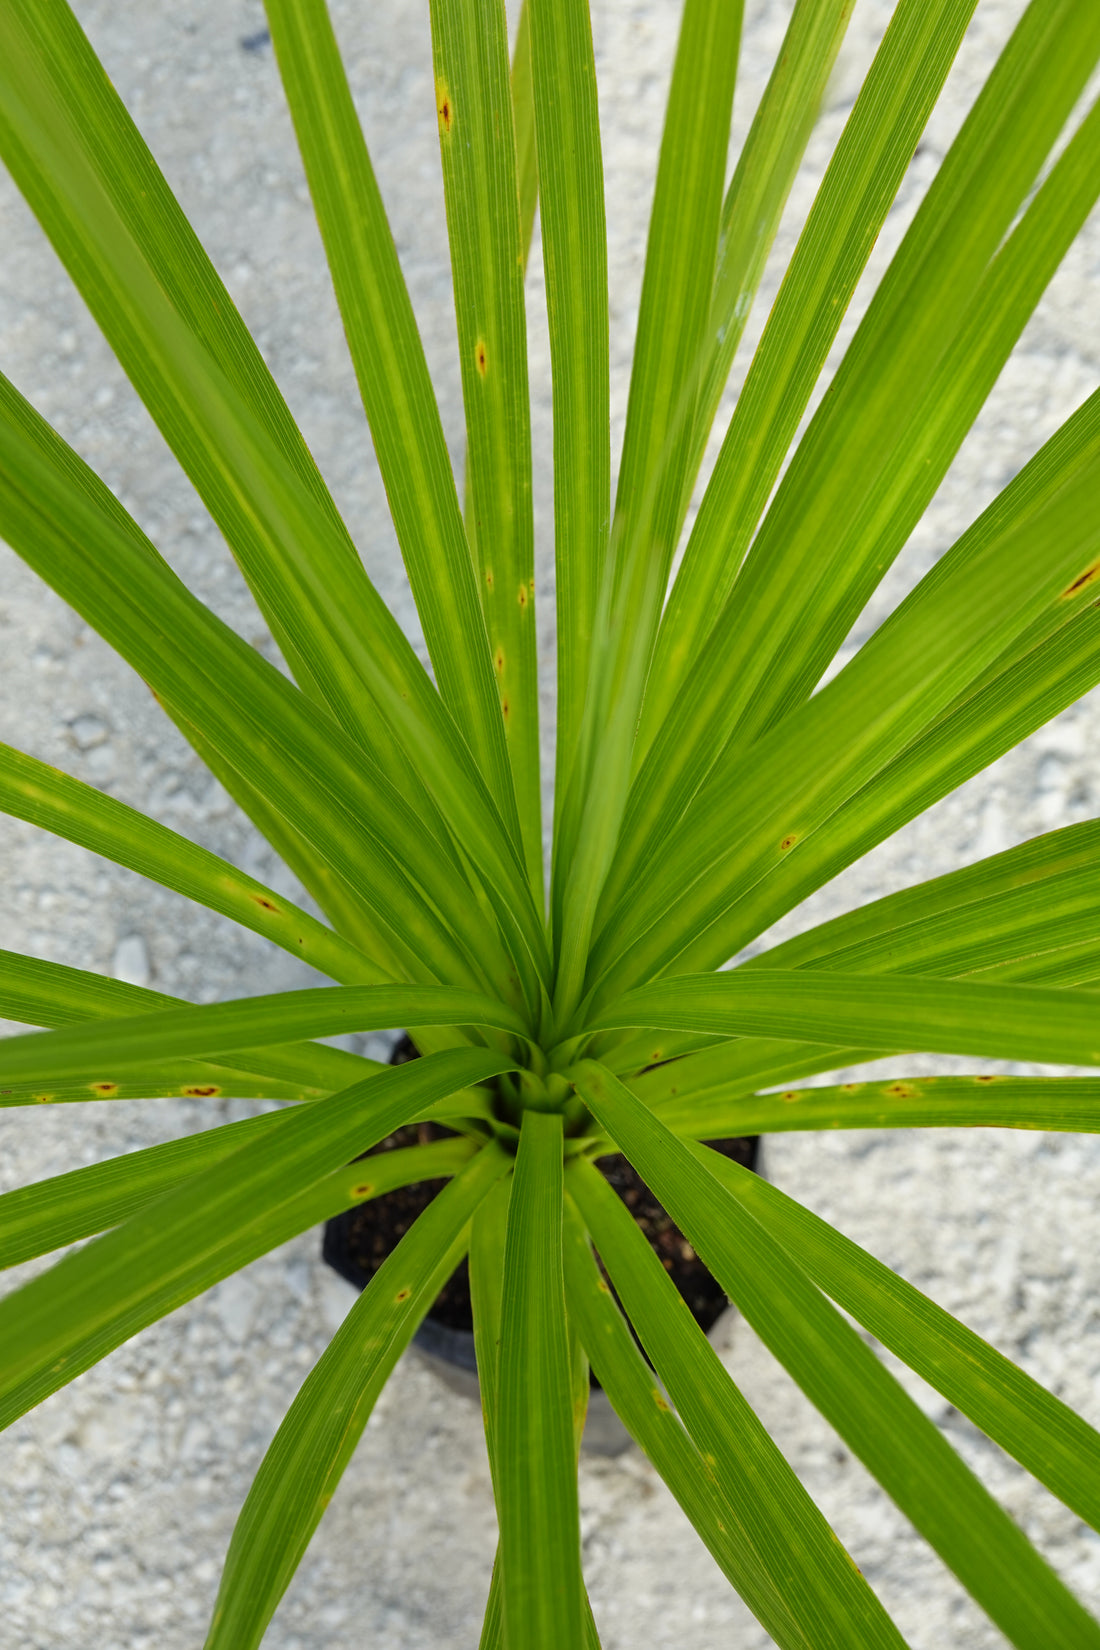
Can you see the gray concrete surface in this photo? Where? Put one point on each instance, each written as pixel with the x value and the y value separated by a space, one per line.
pixel 118 1496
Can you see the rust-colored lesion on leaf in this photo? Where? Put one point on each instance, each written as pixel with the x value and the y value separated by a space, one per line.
pixel 200 1091
pixel 444 108
pixel 901 1091
pixel 104 1090
pixel 481 359
pixel 788 841
pixel 402 1296
pixel 362 1191
pixel 264 903
pixel 1089 576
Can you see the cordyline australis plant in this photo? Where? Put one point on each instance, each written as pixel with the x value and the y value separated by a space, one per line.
pixel 702 785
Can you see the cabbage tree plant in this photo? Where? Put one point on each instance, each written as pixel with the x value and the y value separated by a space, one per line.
pixel 705 781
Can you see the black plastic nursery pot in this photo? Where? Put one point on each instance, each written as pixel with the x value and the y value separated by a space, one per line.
pixel 357 1241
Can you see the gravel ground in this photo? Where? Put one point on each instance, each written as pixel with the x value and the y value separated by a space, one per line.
pixel 120 1493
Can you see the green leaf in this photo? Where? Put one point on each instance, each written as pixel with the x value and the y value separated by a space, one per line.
pixel 523 117
pixel 342 904
pixel 487 1240
pixel 97 192
pixel 765 171
pixel 731 692
pixel 92 183
pixel 492 1627
pixel 393 380
pixel 307 1457
pixel 864 173
pixel 919 331
pixel 972 733
pixel 65 523
pixel 66 1319
pixel 842 1376
pixel 1007 574
pixel 1053 1443
pixel 1006 1022
pixel 35 1219
pixel 536 1474
pixel 1068 1104
pixel 218 1028
pixel 793 1572
pixel 50 994
pixel 574 247
pixel 674 307
pixel 56 802
pixel 646 1413
pixel 477 144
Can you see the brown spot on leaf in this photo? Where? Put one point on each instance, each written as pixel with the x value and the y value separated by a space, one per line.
pixel 523 595
pixel 480 357
pixel 850 1088
pixel 504 708
pixel 402 1296
pixel 104 1088
pixel 791 1094
pixel 264 903
pixel 901 1091
pixel 489 578
pixel 201 1091
pixel 362 1191
pixel 789 841
pixel 985 1079
pixel 660 1400
pixel 1089 576
pixel 498 661
pixel 444 107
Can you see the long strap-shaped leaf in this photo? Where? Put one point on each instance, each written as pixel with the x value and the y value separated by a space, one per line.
pixel 99 197
pixel 999 581
pixel 765 171
pixel 973 733
pixel 218 1028
pixel 675 301
pixel 342 904
pixel 812 539
pixel 574 247
pixel 1068 1104
pixel 66 524
pixel 35 1219
pixel 1028 915
pixel 866 169
pixel 74 153
pixel 536 1475
pixel 393 379
pixel 794 1574
pixel 721 694
pixel 53 800
pixel 90 1302
pixel 307 1457
pixel 39 993
pixel 648 1416
pixel 841 1375
pixel 477 144
pixel 1008 1022
pixel 1046 1437
pixel 962 916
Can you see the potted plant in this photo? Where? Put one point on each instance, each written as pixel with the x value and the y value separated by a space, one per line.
pixel 705 782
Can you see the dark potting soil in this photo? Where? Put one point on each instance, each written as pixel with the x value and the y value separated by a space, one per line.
pixel 358 1241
